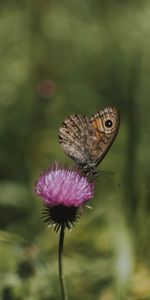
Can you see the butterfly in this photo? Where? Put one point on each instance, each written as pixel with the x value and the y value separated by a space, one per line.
pixel 87 140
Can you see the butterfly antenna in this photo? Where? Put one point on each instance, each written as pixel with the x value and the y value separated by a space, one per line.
pixel 107 173
pixel 107 176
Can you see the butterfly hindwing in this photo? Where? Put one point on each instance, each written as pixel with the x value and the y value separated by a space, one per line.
pixel 74 136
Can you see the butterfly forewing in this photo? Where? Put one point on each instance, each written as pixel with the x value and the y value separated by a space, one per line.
pixel 106 124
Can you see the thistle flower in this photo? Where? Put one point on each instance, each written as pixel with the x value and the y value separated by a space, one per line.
pixel 63 191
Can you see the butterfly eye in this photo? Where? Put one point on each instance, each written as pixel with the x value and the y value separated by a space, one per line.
pixel 108 123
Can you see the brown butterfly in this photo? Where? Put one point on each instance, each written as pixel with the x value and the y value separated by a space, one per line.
pixel 87 140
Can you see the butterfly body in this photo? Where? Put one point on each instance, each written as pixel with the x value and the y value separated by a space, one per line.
pixel 87 140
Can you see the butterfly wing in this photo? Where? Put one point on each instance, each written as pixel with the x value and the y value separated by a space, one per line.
pixel 87 140
pixel 75 137
pixel 106 125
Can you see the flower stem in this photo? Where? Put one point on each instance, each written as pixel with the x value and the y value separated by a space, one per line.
pixel 60 263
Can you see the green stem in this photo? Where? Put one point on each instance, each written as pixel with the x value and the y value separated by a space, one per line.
pixel 60 264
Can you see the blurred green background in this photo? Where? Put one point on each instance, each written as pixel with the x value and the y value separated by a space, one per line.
pixel 58 58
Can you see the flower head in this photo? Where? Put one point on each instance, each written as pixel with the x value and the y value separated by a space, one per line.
pixel 66 187
pixel 63 191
